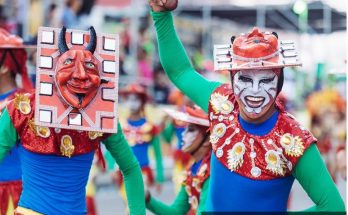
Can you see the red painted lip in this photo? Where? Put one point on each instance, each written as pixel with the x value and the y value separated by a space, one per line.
pixel 254 104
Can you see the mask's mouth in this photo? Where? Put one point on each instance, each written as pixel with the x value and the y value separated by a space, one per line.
pixel 254 102
pixel 78 89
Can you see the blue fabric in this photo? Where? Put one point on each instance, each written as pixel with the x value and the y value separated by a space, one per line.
pixel 195 167
pixel 229 191
pixel 10 166
pixel 179 131
pixel 54 184
pixel 7 94
pixel 141 151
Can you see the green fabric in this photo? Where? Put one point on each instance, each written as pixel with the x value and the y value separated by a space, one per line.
pixel 310 170
pixel 315 179
pixel 181 203
pixel 177 64
pixel 119 149
pixel 158 157
pixel 129 166
pixel 8 134
pixel 168 132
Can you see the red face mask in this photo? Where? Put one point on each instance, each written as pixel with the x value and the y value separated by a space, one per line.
pixel 77 77
pixel 77 74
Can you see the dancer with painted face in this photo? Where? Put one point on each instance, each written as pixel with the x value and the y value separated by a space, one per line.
pixel 141 134
pixel 258 148
pixel 63 123
pixel 192 196
pixel 13 62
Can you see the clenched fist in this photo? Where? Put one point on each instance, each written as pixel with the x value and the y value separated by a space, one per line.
pixel 163 5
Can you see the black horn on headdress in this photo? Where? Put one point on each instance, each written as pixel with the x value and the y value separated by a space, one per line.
pixel 63 47
pixel 92 41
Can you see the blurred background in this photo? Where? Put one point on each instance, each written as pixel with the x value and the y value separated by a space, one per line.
pixel 314 93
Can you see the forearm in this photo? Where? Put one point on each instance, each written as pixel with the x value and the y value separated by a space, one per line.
pixel 179 206
pixel 129 166
pixel 312 174
pixel 167 132
pixel 159 161
pixel 8 134
pixel 177 64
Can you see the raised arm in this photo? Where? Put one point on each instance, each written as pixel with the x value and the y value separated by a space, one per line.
pixel 177 64
pixel 159 161
pixel 129 166
pixel 8 134
pixel 315 179
pixel 178 207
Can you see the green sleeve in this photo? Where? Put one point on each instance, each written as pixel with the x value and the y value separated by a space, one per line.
pixel 179 206
pixel 168 132
pixel 110 161
pixel 158 156
pixel 203 197
pixel 129 166
pixel 315 179
pixel 8 134
pixel 177 64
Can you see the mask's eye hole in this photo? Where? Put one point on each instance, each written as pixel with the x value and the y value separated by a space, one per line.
pixel 89 65
pixel 68 61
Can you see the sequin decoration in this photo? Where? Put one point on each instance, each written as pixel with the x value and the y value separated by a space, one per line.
pixel 202 170
pixel 41 131
pixel 235 156
pixel 66 146
pixel 293 145
pixel 221 104
pixel 274 163
pixel 22 103
pixel 94 135
pixel 219 131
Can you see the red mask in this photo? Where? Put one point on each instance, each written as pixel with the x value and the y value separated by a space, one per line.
pixel 77 75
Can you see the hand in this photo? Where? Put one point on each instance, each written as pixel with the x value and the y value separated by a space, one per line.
pixel 163 5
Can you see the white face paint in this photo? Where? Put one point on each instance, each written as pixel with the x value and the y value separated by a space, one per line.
pixel 189 136
pixel 133 103
pixel 255 88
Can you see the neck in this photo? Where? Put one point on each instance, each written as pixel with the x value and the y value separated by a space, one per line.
pixel 261 119
pixel 135 116
pixel 202 151
pixel 7 84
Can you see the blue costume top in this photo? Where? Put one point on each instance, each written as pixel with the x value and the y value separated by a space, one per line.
pixel 10 167
pixel 233 192
pixel 46 179
pixel 140 150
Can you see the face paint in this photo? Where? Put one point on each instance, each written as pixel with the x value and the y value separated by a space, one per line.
pixel 256 90
pixel 133 103
pixel 190 138
pixel 77 77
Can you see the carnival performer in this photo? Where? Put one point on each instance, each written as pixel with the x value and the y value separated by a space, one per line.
pixel 141 134
pixel 176 128
pixel 195 181
pixel 13 59
pixel 258 148
pixel 56 160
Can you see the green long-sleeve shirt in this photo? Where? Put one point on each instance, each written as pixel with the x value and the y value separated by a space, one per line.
pixel 119 149
pixel 181 203
pixel 310 170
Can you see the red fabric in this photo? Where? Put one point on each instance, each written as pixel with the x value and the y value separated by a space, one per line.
pixel 7 189
pixel 194 184
pixel 50 145
pixel 181 157
pixel 286 124
pixel 91 208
